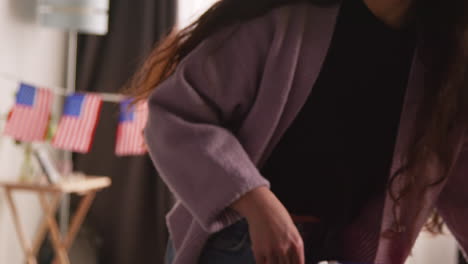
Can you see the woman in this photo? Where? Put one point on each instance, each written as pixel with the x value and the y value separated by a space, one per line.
pixel 300 131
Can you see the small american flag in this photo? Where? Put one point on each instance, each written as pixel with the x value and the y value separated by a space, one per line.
pixel 132 120
pixel 29 118
pixel 78 122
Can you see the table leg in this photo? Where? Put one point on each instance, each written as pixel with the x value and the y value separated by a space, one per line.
pixel 42 230
pixel 78 219
pixel 57 243
pixel 31 259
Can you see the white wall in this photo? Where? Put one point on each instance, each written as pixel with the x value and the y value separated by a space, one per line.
pixel 189 10
pixel 36 54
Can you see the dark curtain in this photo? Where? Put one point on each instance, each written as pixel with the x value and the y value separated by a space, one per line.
pixel 128 218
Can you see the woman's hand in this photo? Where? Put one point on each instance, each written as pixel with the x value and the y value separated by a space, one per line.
pixel 275 238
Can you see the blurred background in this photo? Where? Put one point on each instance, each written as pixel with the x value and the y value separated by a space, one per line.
pixel 94 47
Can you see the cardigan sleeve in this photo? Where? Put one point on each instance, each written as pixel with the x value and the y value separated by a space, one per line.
pixel 453 201
pixel 192 119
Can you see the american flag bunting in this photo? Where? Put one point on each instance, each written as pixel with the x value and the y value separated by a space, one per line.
pixel 29 118
pixel 132 121
pixel 78 122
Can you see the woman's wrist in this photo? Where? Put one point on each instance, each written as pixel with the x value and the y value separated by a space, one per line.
pixel 256 202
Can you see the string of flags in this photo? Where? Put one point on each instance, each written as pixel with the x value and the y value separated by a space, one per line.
pixel 106 97
pixel 78 122
pixel 29 121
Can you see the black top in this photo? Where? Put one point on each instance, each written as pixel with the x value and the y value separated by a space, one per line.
pixel 338 151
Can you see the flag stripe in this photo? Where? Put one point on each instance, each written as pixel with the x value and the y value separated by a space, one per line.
pixel 130 139
pixel 29 122
pixel 76 133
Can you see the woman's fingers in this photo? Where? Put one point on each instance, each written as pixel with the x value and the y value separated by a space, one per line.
pixel 300 251
pixel 284 253
pixel 291 255
pixel 296 254
pixel 284 258
pixel 259 259
pixel 291 252
pixel 273 260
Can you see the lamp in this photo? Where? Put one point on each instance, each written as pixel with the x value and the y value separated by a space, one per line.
pixel 85 16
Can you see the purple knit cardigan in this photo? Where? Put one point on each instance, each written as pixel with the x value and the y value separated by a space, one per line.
pixel 253 78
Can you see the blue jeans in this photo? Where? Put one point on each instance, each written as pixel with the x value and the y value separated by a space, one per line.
pixel 232 245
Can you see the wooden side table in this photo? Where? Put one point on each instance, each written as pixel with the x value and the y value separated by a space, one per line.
pixel 86 187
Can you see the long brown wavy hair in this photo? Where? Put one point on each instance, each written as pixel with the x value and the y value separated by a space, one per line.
pixel 443 28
